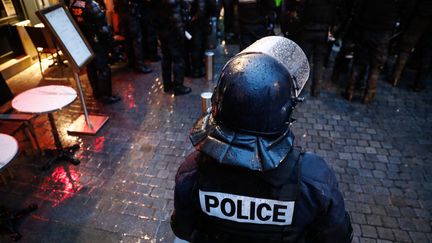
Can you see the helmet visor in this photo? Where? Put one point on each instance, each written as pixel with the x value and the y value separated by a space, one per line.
pixel 286 52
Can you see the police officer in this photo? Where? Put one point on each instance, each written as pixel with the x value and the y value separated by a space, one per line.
pixel 345 40
pixel 131 19
pixel 256 19
pixel 424 49
pixel 92 21
pixel 229 19
pixel 148 23
pixel 417 28
pixel 171 35
pixel 317 18
pixel 198 26
pixel 246 182
pixel 374 22
pixel 214 30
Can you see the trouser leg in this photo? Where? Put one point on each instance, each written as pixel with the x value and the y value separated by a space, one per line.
pixel 317 77
pixel 341 63
pixel 378 46
pixel 399 67
pixel 105 81
pixel 166 63
pixel 357 73
pixel 318 69
pixel 178 69
pixel 92 77
pixel 228 16
pixel 372 83
pixel 423 73
pixel 197 54
pixel 188 49
pixel 166 70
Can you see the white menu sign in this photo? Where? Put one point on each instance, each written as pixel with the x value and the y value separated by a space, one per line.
pixel 68 35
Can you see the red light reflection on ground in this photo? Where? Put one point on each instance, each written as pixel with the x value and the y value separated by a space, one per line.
pixel 39 217
pixel 62 184
pixel 99 144
pixel 130 96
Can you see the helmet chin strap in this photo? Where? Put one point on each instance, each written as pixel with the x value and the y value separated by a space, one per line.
pixel 297 100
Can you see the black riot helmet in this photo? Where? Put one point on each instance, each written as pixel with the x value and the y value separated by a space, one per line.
pixel 259 87
pixel 252 104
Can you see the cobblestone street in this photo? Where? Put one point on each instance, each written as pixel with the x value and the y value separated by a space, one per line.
pixel 122 191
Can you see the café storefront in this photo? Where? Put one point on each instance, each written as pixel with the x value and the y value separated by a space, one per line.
pixel 11 12
pixel 16 50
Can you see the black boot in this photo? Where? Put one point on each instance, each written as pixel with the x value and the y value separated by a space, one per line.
pixel 143 69
pixel 181 90
pixel 110 99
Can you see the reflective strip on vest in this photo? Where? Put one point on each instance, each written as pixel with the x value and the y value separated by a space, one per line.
pixel 245 209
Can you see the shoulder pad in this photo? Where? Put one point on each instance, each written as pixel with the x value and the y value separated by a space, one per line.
pixel 315 169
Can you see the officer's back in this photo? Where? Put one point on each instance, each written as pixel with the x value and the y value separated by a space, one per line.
pixel 247 182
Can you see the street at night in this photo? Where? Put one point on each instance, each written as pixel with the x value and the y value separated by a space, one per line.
pixel 123 188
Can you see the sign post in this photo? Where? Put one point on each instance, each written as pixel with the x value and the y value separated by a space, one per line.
pixel 78 52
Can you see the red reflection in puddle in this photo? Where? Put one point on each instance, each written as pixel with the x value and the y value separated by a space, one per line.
pixel 62 184
pixel 130 96
pixel 99 144
pixel 39 217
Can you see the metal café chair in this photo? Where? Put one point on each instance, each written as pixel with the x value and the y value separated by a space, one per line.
pixel 12 123
pixel 44 44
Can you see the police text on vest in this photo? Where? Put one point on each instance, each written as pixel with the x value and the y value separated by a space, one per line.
pixel 245 209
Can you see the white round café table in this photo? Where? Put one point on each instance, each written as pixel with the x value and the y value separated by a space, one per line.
pixel 48 99
pixel 44 99
pixel 8 149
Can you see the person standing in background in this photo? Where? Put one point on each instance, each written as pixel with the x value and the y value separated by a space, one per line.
pixel 415 34
pixel 198 26
pixel 150 41
pixel 171 35
pixel 130 12
pixel 316 19
pixel 91 19
pixel 374 22
pixel 256 19
pixel 229 17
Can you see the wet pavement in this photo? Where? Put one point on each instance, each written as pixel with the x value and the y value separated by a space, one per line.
pixel 123 189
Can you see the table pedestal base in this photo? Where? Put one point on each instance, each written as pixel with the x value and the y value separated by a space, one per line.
pixel 64 154
pixel 79 126
pixel 7 220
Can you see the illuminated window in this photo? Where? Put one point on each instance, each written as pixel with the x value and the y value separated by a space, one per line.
pixel 7 8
